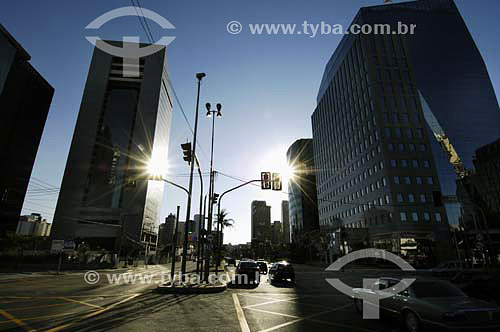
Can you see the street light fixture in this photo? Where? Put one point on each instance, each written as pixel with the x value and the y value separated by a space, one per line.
pixel 218 114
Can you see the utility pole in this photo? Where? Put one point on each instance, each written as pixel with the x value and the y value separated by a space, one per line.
pixel 199 76
pixel 174 245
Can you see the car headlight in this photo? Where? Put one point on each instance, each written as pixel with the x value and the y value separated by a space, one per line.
pixel 454 316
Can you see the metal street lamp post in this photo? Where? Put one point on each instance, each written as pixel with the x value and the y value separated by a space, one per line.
pixel 211 113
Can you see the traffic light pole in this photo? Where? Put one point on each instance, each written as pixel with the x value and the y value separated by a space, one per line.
pixel 174 246
pixel 199 76
pixel 210 204
pixel 219 222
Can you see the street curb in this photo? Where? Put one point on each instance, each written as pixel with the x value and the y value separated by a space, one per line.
pixel 165 289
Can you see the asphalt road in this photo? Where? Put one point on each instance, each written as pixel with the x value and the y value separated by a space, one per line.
pixel 68 303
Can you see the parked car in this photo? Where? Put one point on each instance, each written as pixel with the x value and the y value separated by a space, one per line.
pixel 281 271
pixel 230 261
pixel 429 303
pixel 250 269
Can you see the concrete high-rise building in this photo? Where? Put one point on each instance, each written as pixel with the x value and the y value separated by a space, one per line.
pixel 166 231
pixel 277 233
pixel 121 134
pixel 25 98
pixel 261 222
pixel 389 105
pixel 285 220
pixel 302 194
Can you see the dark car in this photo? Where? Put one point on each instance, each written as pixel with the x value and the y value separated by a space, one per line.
pixel 230 261
pixel 250 269
pixel 282 271
pixel 262 266
pixel 430 303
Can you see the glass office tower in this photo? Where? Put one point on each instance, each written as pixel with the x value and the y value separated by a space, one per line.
pixel 123 126
pixel 383 102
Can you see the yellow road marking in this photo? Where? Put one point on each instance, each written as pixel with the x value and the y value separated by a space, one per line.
pixel 240 314
pixel 18 322
pixel 37 318
pixel 92 314
pixel 81 302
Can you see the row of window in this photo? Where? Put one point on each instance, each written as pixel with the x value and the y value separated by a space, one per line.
pixel 407 132
pixel 402 147
pixel 404 163
pixel 404 217
pixel 416 217
pixel 413 180
pixel 401 118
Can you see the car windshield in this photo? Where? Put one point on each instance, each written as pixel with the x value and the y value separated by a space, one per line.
pixel 248 264
pixel 425 289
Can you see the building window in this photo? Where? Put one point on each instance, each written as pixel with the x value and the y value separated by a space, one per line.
pixel 407 180
pixel 423 199
pixel 418 179
pixel 411 198
pixel 422 147
pixel 437 216
pixel 414 163
pixel 402 216
pixel 427 217
pixel 419 133
pixel 426 164
pixel 387 132
pixel 414 216
pixel 390 147
pixel 411 146
pixel 400 197
pixel 401 147
pixel 430 180
pixel 394 163
pixel 387 199
pixel 404 163
pixel 396 180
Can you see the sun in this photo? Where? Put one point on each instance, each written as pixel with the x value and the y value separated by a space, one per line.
pixel 275 160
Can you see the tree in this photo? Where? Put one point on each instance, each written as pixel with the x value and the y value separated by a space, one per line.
pixel 224 220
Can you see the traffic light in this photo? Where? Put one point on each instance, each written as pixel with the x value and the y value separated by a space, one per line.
pixel 277 181
pixel 265 180
pixel 186 149
pixel 215 198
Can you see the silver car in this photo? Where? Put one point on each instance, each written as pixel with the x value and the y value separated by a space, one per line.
pixel 429 303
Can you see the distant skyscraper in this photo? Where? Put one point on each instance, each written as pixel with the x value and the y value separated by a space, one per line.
pixel 25 98
pixel 261 221
pixel 33 225
pixel 277 233
pixel 166 231
pixel 285 220
pixel 383 101
pixel 123 127
pixel 302 187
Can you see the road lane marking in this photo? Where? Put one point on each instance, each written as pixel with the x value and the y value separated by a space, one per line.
pixel 273 313
pixel 93 313
pixel 81 302
pixel 44 317
pixel 268 302
pixel 240 314
pixel 18 322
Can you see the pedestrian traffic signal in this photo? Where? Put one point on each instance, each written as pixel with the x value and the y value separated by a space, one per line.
pixel 276 181
pixel 186 149
pixel 265 180
pixel 215 198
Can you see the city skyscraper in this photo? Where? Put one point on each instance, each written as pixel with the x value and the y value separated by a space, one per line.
pixel 261 222
pixel 285 220
pixel 121 135
pixel 277 232
pixel 302 193
pixel 25 98
pixel 397 117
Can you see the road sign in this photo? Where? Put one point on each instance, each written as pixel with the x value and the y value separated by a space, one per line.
pixel 265 180
pixel 69 245
pixel 57 246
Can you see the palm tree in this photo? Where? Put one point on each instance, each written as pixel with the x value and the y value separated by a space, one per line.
pixel 224 220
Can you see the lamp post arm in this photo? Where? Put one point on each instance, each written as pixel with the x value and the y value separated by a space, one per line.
pixel 176 185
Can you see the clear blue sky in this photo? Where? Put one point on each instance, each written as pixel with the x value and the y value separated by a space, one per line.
pixel 267 84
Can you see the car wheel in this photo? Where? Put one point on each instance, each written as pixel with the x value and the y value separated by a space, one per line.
pixel 358 305
pixel 412 323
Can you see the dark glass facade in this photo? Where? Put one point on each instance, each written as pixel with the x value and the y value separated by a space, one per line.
pixel 25 98
pixel 122 126
pixel 302 195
